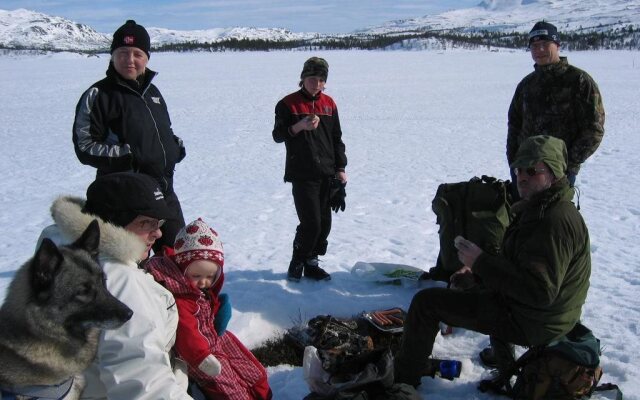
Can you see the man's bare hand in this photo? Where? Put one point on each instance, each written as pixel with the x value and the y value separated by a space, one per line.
pixel 468 251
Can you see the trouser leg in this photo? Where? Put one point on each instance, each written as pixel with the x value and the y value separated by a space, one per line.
pixel 325 219
pixel 172 225
pixel 479 311
pixel 312 231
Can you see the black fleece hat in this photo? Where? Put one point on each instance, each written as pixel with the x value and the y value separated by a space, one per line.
pixel 131 34
pixel 315 66
pixel 544 31
pixel 120 197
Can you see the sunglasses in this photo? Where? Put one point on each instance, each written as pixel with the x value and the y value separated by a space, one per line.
pixel 150 225
pixel 531 171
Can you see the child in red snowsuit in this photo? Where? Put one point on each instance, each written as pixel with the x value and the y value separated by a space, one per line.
pixel 220 364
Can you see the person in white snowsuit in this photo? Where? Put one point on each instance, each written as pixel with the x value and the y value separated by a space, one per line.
pixel 133 361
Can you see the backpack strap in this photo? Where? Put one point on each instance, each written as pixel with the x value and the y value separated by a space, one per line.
pixel 609 387
pixel 501 383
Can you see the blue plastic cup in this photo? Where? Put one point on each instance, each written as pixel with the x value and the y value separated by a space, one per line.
pixel 449 369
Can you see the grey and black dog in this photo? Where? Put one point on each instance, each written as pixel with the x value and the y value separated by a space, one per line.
pixel 51 319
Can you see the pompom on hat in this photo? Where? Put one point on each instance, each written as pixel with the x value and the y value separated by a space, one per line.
pixel 197 241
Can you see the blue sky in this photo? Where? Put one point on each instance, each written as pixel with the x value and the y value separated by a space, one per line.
pixel 326 16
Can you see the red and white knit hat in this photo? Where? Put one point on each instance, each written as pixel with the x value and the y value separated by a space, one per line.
pixel 197 241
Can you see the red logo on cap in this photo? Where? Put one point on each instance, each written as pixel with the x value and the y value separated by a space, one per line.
pixel 129 40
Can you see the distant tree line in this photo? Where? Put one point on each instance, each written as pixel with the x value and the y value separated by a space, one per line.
pixel 611 37
pixel 625 38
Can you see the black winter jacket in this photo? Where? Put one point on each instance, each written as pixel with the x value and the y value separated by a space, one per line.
pixel 310 154
pixel 119 126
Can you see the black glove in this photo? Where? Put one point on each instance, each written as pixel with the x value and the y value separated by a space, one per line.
pixel 337 195
pixel 182 152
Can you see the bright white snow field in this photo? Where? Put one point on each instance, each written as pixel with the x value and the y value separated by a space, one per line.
pixel 411 120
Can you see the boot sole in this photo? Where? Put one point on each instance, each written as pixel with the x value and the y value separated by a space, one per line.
pixel 328 278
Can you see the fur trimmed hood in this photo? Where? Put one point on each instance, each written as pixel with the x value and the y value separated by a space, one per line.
pixel 115 241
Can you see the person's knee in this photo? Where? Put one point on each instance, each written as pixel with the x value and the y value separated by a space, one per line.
pixel 425 302
pixel 312 227
pixel 429 297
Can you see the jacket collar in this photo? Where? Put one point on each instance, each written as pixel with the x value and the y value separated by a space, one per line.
pixel 165 271
pixel 115 241
pixel 137 85
pixel 555 68
pixel 308 95
pixel 38 392
pixel 559 191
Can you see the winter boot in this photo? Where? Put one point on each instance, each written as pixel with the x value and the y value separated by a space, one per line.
pixel 313 271
pixel 499 355
pixel 296 267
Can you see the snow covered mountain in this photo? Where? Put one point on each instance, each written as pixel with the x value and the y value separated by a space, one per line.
pixel 161 36
pixel 23 29
pixel 519 16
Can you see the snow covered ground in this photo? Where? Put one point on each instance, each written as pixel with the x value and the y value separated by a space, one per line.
pixel 411 121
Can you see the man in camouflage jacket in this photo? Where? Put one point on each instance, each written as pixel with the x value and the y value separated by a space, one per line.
pixel 533 292
pixel 556 99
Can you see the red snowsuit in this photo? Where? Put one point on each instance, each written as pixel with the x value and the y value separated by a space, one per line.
pixel 242 376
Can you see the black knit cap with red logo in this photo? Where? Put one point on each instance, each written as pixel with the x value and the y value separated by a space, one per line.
pixel 133 35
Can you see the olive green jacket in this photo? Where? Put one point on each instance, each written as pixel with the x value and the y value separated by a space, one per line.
pixel 543 272
pixel 558 100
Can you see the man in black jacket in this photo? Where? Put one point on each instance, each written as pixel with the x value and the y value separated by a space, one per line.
pixel 122 123
pixel 307 122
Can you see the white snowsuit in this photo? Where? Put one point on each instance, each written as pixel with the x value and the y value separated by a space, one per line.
pixel 134 361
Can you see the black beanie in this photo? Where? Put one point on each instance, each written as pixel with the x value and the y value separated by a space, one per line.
pixel 131 34
pixel 315 66
pixel 120 197
pixel 544 31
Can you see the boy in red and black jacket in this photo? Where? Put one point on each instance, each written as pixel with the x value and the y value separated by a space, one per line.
pixel 307 122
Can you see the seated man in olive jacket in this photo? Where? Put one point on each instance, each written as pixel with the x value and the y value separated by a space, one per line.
pixel 534 291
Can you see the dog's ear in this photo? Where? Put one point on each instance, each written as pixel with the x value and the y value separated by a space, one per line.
pixel 44 266
pixel 90 239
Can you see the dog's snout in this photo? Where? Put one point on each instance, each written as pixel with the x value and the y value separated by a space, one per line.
pixel 127 314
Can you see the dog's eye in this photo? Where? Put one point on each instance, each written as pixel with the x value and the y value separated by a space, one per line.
pixel 85 294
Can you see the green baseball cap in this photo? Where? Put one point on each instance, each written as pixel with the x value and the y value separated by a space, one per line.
pixel 548 149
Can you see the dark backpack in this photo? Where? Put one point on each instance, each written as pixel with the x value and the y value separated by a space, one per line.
pixel 478 210
pixel 567 369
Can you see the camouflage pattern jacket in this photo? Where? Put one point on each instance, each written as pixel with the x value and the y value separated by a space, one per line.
pixel 558 100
